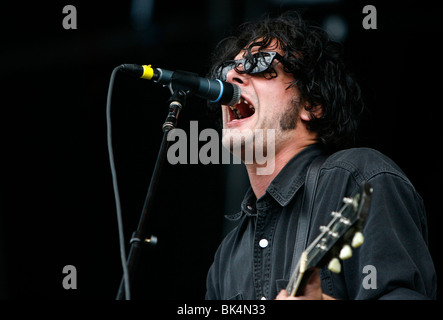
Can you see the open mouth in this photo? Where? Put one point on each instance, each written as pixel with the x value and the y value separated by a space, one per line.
pixel 241 110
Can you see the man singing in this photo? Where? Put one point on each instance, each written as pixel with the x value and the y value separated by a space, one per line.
pixel 294 84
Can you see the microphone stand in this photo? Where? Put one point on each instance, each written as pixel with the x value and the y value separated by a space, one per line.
pixel 176 103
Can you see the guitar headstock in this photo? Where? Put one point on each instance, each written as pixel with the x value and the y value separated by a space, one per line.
pixel 335 241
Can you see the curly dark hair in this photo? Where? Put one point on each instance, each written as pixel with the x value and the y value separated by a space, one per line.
pixel 318 68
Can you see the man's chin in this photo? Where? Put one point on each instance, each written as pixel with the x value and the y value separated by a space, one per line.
pixel 239 145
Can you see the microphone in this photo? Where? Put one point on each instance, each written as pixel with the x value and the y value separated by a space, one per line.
pixel 212 90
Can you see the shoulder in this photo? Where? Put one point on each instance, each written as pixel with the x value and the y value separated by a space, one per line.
pixel 364 162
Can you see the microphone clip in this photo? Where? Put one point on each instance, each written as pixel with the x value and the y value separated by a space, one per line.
pixel 176 103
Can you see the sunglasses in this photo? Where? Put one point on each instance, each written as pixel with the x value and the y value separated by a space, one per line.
pixel 258 63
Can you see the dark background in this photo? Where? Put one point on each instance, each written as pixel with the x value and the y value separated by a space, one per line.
pixel 57 204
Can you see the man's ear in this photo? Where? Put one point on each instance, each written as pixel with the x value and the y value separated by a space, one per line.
pixel 307 113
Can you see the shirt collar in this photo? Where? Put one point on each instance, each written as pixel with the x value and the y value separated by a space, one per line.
pixel 286 184
pixel 293 175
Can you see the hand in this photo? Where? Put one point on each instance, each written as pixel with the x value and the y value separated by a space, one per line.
pixel 312 290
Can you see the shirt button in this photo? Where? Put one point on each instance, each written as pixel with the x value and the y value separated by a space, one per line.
pixel 263 298
pixel 263 243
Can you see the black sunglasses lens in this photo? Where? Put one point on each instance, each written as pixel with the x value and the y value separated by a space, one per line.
pixel 222 71
pixel 259 62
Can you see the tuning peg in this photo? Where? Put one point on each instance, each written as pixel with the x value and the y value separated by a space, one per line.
pixel 345 252
pixel 334 265
pixel 348 200
pixel 357 240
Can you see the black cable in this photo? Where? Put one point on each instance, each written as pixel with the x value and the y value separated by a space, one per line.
pixel 115 185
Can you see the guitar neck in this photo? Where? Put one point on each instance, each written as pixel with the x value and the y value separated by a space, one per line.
pixel 314 255
pixel 335 240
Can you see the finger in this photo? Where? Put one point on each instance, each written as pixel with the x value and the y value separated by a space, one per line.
pixel 283 295
pixel 313 287
pixel 314 280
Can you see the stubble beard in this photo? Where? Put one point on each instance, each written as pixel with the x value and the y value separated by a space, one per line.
pixel 245 142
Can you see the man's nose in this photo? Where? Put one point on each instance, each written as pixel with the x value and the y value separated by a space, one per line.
pixel 237 78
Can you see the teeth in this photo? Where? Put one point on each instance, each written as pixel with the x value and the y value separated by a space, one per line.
pixel 237 112
pixel 247 103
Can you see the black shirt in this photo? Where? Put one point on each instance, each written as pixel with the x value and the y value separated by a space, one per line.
pixel 254 260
